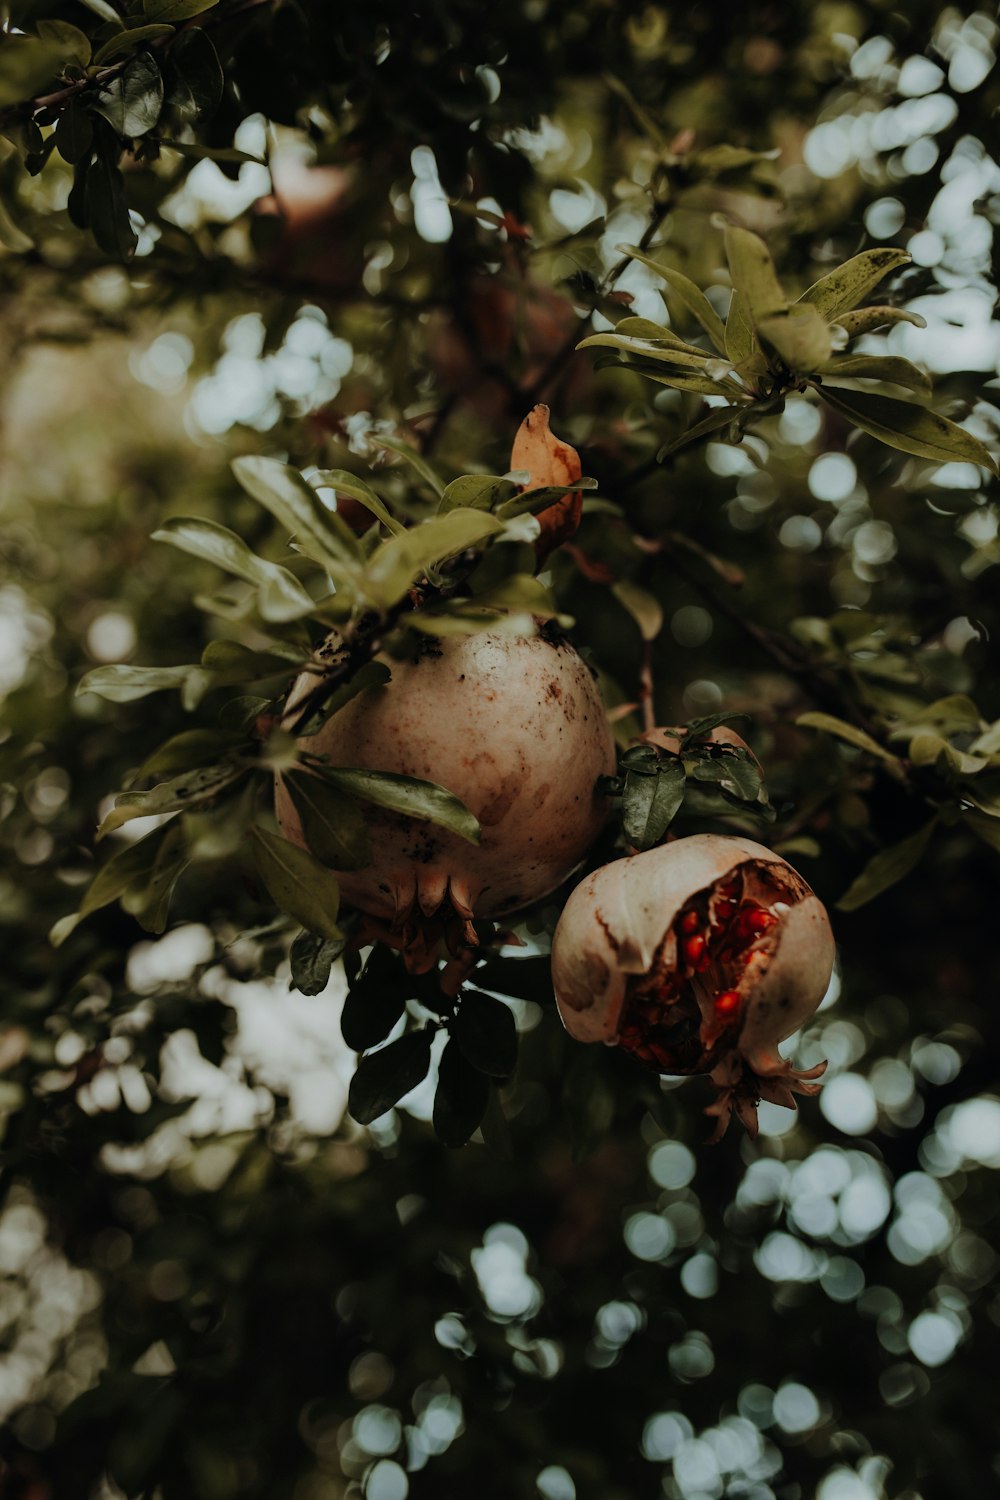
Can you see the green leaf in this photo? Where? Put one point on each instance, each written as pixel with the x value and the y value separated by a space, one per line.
pixel 416 460
pixel 909 428
pixel 645 608
pixel 73 43
pixel 461 1100
pixel 372 675
pixel 985 827
pixel 886 868
pixel 181 792
pixel 667 354
pixel 149 902
pixel 344 483
pixel 297 883
pixel 74 132
pixel 693 297
pixel 842 289
pixel 123 684
pixel 376 1001
pixel 401 560
pixel 534 501
pixel 312 959
pixel 131 102
pixel 26 64
pixel 108 211
pixel 282 491
pixel 405 794
pixel 103 9
pixel 382 1078
pixel 195 79
pixel 740 345
pixel 209 153
pixel 476 492
pixel 736 774
pixel 229 663
pixel 280 595
pixel 332 823
pixel 867 319
pixel 658 333
pixel 649 803
pixel 127 41
pixel 718 417
pixel 800 336
pixel 125 867
pixel 828 724
pixel 485 1031
pixel 175 10
pixel 878 367
pixel 187 751
pixel 677 379
pixel 753 273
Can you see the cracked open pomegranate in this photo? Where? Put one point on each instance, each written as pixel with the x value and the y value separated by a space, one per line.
pixel 698 956
pixel 514 726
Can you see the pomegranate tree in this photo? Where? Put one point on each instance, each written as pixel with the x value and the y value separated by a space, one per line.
pixel 698 956
pixel 511 725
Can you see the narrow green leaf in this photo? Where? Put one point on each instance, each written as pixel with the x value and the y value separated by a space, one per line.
pixel 645 609
pixel 298 883
pixel 841 730
pixel 349 484
pixel 402 560
pixel 186 790
pixel 800 336
pixel 122 684
pixel 649 803
pixel 534 501
pixel 985 827
pixel 149 902
pixel 373 674
pixel 127 41
pixel 282 491
pixel 867 319
pixel 753 273
pixel 842 289
pixel 720 416
pixel 476 492
pixel 693 297
pixel 878 367
pixel 281 596
pixel 886 868
pixel 909 428
pixel 72 42
pixel 131 102
pixel 131 863
pixel 383 1077
pixel 740 345
pixel 209 153
pixel 676 379
pixel 416 460
pixel 108 211
pixel 461 1100
pixel 405 794
pixel 312 959
pixel 103 9
pixel 175 10
pixel 187 751
pixel 734 773
pixel 333 824
pixel 668 354
pixel 486 1033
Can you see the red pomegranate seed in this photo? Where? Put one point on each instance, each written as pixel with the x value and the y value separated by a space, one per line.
pixel 690 921
pixel 727 1002
pixel 694 948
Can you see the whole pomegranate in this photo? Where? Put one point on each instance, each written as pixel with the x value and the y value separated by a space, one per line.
pixel 513 726
pixel 698 956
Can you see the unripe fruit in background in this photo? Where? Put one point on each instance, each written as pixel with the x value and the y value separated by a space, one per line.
pixel 514 727
pixel 698 956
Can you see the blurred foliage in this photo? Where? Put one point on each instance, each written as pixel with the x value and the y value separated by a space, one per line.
pixel 358 246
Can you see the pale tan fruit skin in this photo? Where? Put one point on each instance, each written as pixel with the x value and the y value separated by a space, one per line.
pixel 513 726
pixel 615 920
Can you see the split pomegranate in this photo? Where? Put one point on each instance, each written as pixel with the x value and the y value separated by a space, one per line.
pixel 698 956
pixel 514 727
